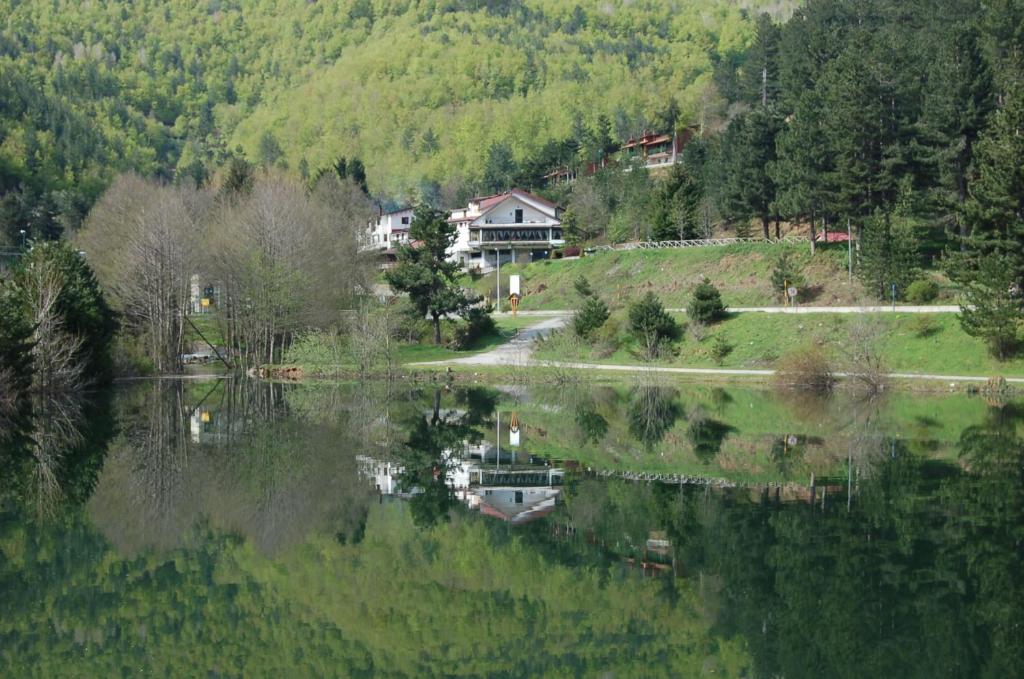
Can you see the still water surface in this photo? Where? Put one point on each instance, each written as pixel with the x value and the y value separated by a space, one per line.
pixel 235 528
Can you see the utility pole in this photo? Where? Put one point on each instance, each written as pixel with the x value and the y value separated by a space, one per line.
pixel 497 256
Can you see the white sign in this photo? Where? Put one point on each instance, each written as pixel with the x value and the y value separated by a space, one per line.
pixel 791 292
pixel 513 285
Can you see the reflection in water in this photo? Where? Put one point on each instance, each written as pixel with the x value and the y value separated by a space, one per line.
pixel 238 528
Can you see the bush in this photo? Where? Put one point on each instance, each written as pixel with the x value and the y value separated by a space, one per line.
pixel 652 325
pixel 806 367
pixel 478 324
pixel 590 317
pixel 317 348
pixel 571 251
pixel 922 291
pixel 706 305
pixel 556 254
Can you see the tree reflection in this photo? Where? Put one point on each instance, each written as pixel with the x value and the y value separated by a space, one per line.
pixel 652 412
pixel 53 449
pixel 436 442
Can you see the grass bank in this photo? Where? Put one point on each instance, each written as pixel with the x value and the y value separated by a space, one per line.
pixel 741 272
pixel 914 343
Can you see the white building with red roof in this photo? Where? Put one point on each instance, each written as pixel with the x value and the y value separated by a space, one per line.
pixel 514 226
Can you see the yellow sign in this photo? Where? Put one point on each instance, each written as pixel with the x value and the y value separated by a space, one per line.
pixel 514 301
pixel 204 416
pixel 204 302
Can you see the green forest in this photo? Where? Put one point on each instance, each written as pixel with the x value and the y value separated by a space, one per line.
pixel 419 90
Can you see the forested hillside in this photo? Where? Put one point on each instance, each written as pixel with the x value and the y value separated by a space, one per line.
pixel 420 91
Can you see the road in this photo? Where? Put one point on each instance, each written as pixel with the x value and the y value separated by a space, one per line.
pixel 517 353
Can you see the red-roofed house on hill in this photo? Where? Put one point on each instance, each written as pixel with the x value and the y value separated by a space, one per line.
pixel 514 226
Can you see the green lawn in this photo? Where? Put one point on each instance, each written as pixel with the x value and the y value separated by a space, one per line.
pixel 741 272
pixel 922 343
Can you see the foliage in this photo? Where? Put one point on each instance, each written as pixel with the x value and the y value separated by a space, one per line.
pixel 991 307
pixel 591 315
pixel 651 325
pixel 15 344
pixel 922 291
pixel 706 304
pixel 423 269
pixel 478 324
pixel 56 294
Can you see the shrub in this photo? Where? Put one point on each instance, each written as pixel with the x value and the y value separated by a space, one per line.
pixel 706 305
pixel 556 254
pixel 720 348
pixel 582 287
pixel 806 367
pixel 590 317
pixel 571 251
pixel 924 325
pixel 651 324
pixel 478 324
pixel 922 291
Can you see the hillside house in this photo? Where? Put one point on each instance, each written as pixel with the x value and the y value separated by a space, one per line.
pixel 513 226
pixel 386 232
pixel 655 151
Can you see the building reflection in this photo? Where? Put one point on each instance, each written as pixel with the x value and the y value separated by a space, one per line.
pixel 497 478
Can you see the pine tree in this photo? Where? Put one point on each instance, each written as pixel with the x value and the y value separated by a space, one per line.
pixel 425 273
pixel 993 211
pixel 759 82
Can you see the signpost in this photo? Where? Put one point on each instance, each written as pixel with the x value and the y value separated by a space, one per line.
pixel 513 293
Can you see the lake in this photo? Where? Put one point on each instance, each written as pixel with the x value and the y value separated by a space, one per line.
pixel 235 528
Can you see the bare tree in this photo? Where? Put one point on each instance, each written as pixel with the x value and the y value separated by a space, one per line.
pixel 864 354
pixel 141 241
pixel 286 261
pixel 56 354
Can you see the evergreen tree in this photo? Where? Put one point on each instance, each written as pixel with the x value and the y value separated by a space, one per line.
pixel 759 82
pixel 889 256
pixel 651 324
pixel 747 151
pixel 706 304
pixel 239 179
pixel 958 100
pixel 425 273
pixel 992 306
pixel 993 211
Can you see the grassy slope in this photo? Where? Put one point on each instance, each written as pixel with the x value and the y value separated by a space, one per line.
pixel 741 272
pixel 759 339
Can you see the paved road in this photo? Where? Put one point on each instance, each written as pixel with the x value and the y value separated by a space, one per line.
pixel 904 309
pixel 517 353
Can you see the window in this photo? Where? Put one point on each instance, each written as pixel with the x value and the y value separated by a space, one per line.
pixel 518 215
pixel 519 497
pixel 405 220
